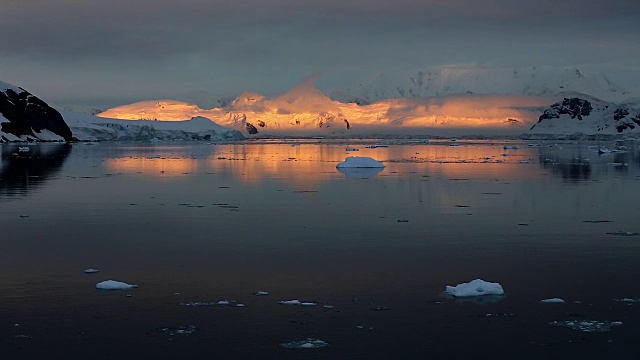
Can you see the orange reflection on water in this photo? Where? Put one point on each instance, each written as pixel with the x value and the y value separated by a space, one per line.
pixel 153 166
pixel 306 165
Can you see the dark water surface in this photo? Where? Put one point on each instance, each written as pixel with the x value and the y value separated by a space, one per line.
pixel 199 222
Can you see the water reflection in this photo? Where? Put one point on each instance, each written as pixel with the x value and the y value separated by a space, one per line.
pixel 360 172
pixel 23 172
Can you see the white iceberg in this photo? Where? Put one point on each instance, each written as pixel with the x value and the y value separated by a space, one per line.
pixel 91 271
pixel 114 285
pixel 360 162
pixel 476 287
pixel 552 301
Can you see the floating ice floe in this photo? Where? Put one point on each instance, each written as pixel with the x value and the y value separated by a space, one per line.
pixel 623 233
pixel 475 287
pixel 261 293
pixel 231 303
pixel 352 149
pixel 593 326
pixel 552 301
pixel 91 271
pixel 298 302
pixel 628 300
pixel 360 162
pixel 179 330
pixel 114 285
pixel 514 147
pixel 308 343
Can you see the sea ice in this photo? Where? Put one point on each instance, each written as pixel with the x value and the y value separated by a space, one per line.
pixel 91 271
pixel 592 326
pixel 212 303
pixel 623 233
pixel 308 343
pixel 552 301
pixel 360 162
pixel 476 287
pixel 180 330
pixel 114 285
pixel 261 293
pixel 298 302
pixel 352 149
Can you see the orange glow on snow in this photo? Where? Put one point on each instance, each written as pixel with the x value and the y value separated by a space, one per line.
pixel 306 109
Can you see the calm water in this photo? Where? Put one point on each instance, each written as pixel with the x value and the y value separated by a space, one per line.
pixel 202 222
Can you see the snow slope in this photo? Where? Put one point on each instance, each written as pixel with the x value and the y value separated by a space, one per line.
pixel 589 116
pixel 611 85
pixel 25 117
pixel 87 127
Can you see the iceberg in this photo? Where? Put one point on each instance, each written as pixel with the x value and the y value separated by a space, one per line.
pixel 552 301
pixel 359 162
pixel 114 285
pixel 476 287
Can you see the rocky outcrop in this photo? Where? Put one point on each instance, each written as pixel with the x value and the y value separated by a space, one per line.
pixel 26 117
pixel 574 107
pixel 590 117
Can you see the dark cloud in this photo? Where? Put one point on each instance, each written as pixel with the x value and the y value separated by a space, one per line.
pixel 265 46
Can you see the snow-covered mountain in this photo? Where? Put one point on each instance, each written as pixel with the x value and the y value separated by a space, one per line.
pixel 589 116
pixel 24 117
pixel 86 127
pixel 610 85
pixel 304 110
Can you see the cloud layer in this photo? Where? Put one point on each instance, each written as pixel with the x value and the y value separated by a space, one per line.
pixel 105 53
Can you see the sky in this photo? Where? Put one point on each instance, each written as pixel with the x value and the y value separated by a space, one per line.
pixel 107 53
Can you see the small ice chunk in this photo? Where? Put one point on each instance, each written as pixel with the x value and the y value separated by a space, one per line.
pixel 290 302
pixel 114 285
pixel 179 330
pixel 260 293
pixel 308 343
pixel 352 149
pixel 592 326
pixel 476 287
pixel 628 300
pixel 360 162
pixel 91 271
pixel 552 301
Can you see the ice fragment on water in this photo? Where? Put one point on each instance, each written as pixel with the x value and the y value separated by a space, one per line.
pixel 623 233
pixel 552 301
pixel 114 285
pixel 232 303
pixel 476 287
pixel 91 271
pixel 180 330
pixel 592 326
pixel 298 302
pixel 308 343
pixel 260 293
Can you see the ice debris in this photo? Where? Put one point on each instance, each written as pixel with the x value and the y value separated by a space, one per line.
pixel 261 293
pixel 180 330
pixel 628 300
pixel 552 301
pixel 91 271
pixel 623 233
pixel 476 287
pixel 308 343
pixel 298 302
pixel 212 303
pixel 592 326
pixel 114 285
pixel 360 162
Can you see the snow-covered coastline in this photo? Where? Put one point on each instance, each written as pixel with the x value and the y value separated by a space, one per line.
pixel 87 127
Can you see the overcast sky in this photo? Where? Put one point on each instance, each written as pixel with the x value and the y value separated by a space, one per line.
pixel 105 53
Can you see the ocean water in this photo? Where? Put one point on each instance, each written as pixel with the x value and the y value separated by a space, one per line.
pixel 198 223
